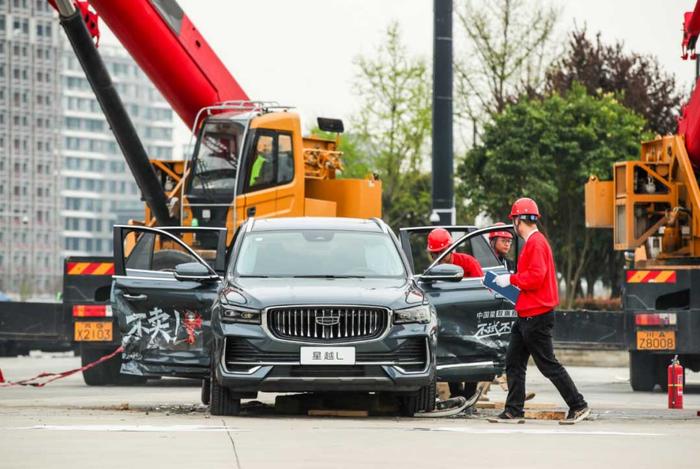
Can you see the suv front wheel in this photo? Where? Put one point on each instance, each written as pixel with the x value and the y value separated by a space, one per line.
pixel 221 401
pixel 422 400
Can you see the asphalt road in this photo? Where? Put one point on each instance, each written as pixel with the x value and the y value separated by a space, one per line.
pixel 162 424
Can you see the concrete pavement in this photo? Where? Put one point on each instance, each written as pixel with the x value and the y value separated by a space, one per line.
pixel 162 424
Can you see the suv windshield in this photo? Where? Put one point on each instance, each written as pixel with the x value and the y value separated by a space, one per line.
pixel 216 161
pixel 318 253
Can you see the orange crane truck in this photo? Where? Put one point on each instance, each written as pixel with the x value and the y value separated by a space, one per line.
pixel 653 206
pixel 250 159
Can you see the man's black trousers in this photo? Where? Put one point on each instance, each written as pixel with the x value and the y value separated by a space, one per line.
pixel 533 337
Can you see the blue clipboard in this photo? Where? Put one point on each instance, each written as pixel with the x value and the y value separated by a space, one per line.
pixel 510 292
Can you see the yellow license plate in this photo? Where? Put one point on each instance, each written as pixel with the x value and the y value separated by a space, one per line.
pixel 93 331
pixel 656 340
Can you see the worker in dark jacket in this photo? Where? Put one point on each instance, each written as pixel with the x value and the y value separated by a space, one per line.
pixel 531 334
pixel 500 242
pixel 439 240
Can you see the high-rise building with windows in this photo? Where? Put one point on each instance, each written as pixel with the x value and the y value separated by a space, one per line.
pixel 30 115
pixel 98 188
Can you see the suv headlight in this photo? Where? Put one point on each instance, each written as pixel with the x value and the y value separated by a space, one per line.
pixel 233 313
pixel 417 314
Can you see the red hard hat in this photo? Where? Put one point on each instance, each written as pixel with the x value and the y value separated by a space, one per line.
pixel 439 239
pixel 524 206
pixel 500 234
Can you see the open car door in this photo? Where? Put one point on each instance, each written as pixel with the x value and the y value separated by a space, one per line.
pixel 474 323
pixel 162 293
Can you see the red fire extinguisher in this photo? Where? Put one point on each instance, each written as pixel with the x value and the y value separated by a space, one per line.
pixel 675 384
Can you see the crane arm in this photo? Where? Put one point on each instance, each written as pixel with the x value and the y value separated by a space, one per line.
pixel 689 120
pixel 170 50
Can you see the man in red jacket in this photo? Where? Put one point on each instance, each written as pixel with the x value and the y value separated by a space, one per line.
pixel 440 239
pixel 531 334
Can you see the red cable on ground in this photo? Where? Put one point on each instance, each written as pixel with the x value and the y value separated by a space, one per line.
pixel 54 376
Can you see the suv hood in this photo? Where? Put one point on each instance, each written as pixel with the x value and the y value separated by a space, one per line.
pixel 390 293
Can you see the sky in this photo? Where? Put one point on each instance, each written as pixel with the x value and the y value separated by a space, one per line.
pixel 301 53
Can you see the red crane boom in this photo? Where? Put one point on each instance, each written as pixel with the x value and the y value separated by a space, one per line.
pixel 170 50
pixel 689 121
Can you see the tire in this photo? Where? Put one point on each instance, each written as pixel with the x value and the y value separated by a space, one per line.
pixel 102 374
pixel 221 401
pixel 422 400
pixel 643 373
pixel 466 389
pixel 206 391
pixel 108 372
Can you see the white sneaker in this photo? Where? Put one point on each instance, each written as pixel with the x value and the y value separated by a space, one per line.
pixel 576 416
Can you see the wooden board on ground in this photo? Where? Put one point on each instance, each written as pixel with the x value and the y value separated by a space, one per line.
pixel 443 391
pixel 528 405
pixel 337 413
pixel 545 414
pixel 533 410
pixel 487 405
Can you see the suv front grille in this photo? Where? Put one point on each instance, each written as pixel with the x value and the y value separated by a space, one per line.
pixel 327 323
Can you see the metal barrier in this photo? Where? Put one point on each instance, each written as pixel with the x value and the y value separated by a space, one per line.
pixel 584 329
pixel 37 323
pixel 46 323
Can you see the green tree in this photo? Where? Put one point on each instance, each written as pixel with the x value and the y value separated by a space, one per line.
pixel 638 80
pixel 391 132
pixel 508 48
pixel 546 149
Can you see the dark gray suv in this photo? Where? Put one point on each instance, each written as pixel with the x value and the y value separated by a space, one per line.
pixel 322 304
pixel 353 291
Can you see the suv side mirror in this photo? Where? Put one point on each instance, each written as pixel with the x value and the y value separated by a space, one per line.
pixel 444 273
pixel 193 271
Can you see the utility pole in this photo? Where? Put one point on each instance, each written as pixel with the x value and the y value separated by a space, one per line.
pixel 443 167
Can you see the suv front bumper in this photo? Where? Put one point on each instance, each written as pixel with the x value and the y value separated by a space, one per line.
pixel 273 365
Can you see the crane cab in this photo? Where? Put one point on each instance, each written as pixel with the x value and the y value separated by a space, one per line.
pixel 251 159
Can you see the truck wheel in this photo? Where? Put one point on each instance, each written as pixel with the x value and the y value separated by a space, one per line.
pixel 206 391
pixel 100 375
pixel 422 400
pixel 108 372
pixel 643 373
pixel 221 401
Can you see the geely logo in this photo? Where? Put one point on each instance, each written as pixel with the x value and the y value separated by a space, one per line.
pixel 328 317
